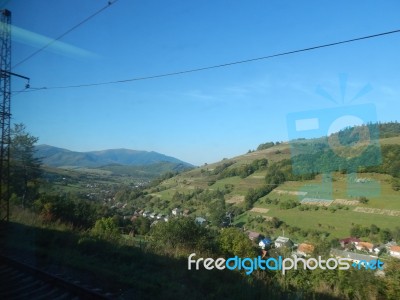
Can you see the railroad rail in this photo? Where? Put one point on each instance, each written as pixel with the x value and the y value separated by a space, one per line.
pixel 19 280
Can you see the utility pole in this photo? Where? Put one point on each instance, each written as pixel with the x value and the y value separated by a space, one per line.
pixel 5 112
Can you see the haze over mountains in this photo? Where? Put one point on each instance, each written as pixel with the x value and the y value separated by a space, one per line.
pixel 59 157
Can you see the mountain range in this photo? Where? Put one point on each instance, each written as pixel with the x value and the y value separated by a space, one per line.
pixel 59 157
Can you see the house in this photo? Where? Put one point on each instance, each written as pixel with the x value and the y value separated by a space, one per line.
pixel 254 236
pixel 282 241
pixel 146 213
pixel 166 218
pixel 347 242
pixel 152 215
pixel 305 249
pixel 365 246
pixel 200 221
pixel 265 243
pixel 186 212
pixel 394 251
pixel 354 257
pixel 176 211
pixel 160 216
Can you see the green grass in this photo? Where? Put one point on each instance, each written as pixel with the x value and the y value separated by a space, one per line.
pixel 384 197
pixel 337 223
pixel 392 140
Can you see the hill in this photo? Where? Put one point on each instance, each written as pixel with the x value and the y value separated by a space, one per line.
pixel 58 157
pixel 263 185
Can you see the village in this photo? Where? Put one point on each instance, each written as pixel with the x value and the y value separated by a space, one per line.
pixel 351 248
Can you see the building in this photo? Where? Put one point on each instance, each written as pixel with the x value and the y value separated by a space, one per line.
pixel 200 221
pixel 365 246
pixel 354 257
pixel 347 242
pixel 176 211
pixel 265 243
pixel 394 251
pixel 305 249
pixel 282 241
pixel 254 236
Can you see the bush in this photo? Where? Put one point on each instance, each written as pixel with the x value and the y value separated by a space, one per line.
pixel 107 229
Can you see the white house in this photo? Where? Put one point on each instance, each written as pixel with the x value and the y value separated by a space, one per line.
pixel 394 251
pixel 176 211
pixel 200 220
pixel 282 241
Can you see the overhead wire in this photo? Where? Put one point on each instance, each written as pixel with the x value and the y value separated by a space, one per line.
pixel 221 65
pixel 109 3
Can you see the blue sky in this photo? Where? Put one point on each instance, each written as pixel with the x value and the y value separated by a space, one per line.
pixel 205 116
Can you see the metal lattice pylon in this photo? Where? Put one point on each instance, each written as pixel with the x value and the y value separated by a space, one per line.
pixel 5 112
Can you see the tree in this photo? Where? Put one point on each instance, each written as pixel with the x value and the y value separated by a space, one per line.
pixel 180 234
pixel 106 228
pixel 141 225
pixel 217 211
pixel 25 169
pixel 385 235
pixel 374 229
pixel 233 241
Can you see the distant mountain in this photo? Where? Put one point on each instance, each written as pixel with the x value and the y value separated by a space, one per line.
pixel 58 157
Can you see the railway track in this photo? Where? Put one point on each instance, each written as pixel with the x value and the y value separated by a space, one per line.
pixel 21 281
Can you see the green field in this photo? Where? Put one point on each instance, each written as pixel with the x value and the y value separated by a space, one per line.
pixel 339 222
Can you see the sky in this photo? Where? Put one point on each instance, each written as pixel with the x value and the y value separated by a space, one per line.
pixel 199 117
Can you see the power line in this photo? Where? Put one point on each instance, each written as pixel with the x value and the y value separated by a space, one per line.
pixel 220 65
pixel 66 32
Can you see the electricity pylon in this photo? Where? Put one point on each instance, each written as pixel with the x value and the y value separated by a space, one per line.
pixel 5 112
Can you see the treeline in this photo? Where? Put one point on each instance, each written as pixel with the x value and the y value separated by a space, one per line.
pixel 265 145
pixel 330 161
pixel 375 130
pixel 375 233
pixel 69 209
pixel 277 173
pixel 390 161
pixel 385 160
pixel 243 171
